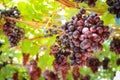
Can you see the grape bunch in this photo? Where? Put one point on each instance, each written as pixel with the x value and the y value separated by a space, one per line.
pixel 105 63
pixel 50 75
pixel 34 71
pixel 13 32
pixel 114 7
pixel 12 12
pixel 84 35
pixel 60 63
pixel 93 63
pixel 115 45
pixel 81 36
pixel 91 3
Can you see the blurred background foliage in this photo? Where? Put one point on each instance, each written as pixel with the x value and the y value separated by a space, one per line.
pixel 37 17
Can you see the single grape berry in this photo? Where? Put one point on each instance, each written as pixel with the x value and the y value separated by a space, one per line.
pixel 85 44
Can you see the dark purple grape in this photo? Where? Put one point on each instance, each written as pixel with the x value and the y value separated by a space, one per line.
pixel 97 19
pixel 82 11
pixel 85 44
pixel 80 23
pixel 76 34
pixel 70 35
pixel 83 37
pixel 80 28
pixel 99 30
pixel 85 30
pixel 96 37
pixel 71 28
pixel 93 29
pixel 106 29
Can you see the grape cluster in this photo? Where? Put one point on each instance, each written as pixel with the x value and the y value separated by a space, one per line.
pixel 85 34
pixel 118 61
pixel 114 7
pixel 13 32
pixel 50 75
pixel 60 63
pixel 93 63
pixel 12 12
pixel 105 63
pixel 82 35
pixel 34 71
pixel 91 3
pixel 115 45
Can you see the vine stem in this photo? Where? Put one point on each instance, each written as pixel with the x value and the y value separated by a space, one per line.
pixel 75 5
pixel 35 24
pixel 39 37
pixel 117 30
pixel 115 36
